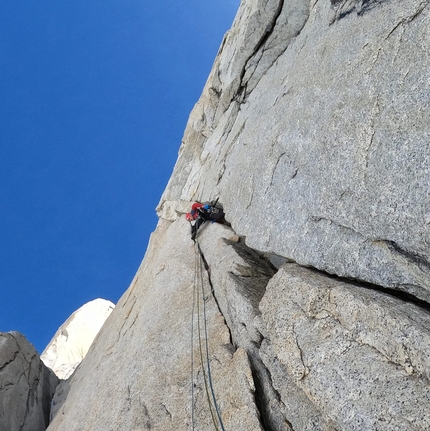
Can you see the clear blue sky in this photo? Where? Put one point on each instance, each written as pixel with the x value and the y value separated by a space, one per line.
pixel 94 99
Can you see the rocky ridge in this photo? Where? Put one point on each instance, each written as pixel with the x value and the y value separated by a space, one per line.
pixel 312 130
pixel 26 385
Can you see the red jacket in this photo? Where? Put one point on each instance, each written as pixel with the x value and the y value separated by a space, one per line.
pixel 193 214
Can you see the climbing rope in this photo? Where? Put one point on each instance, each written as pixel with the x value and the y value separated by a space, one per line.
pixel 192 344
pixel 199 294
pixel 196 305
pixel 207 338
pixel 206 375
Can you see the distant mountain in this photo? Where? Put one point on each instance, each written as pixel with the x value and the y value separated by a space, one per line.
pixel 71 342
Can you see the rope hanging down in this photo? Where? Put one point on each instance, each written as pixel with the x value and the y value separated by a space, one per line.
pixel 198 295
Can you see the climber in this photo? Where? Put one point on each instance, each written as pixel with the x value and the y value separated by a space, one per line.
pixel 201 213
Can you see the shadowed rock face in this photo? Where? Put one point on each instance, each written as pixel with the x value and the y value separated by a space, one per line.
pixel 312 130
pixel 26 385
pixel 325 353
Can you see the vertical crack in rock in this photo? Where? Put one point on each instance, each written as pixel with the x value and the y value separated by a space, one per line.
pixel 212 291
pixel 286 24
pixel 33 383
pixel 266 396
pixel 238 277
pixel 240 93
pixel 305 370
pixel 123 331
pixel 274 169
pixel 146 418
pixel 376 110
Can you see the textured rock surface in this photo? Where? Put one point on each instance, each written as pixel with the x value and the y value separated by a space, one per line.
pixel 359 355
pixel 239 277
pixel 312 130
pixel 326 354
pixel 59 398
pixel 329 145
pixel 137 373
pixel 26 385
pixel 71 342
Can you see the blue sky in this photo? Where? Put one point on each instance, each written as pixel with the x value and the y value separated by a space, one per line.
pixel 94 99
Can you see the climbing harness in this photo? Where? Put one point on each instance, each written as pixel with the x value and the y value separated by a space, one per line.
pixel 198 296
pixel 204 212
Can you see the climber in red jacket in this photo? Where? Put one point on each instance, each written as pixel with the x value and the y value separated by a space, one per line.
pixel 201 213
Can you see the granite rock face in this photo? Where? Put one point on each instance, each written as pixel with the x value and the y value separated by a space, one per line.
pixel 293 349
pixel 26 385
pixel 71 342
pixel 312 130
pixel 359 355
pixel 326 354
pixel 137 374
pixel 324 158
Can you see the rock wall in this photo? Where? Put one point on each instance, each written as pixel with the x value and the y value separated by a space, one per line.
pixel 312 130
pixel 323 154
pixel 137 374
pixel 26 385
pixel 326 354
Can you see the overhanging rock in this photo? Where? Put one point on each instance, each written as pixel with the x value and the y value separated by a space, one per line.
pixel 326 354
